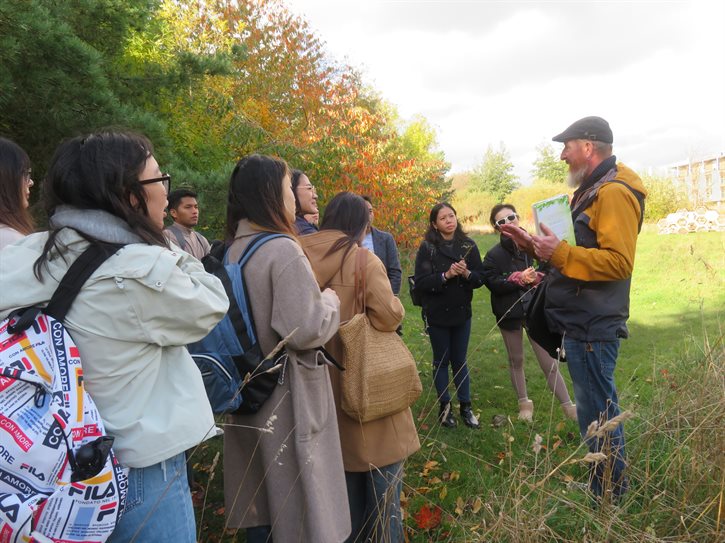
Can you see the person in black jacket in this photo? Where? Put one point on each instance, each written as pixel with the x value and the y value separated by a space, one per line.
pixel 510 276
pixel 447 269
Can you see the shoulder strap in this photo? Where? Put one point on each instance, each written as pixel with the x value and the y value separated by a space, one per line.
pixel 236 312
pixel 589 196
pixel 640 199
pixel 256 243
pixel 361 259
pixel 179 236
pixel 76 276
pixel 69 287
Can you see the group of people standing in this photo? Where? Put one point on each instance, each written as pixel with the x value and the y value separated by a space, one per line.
pixel 585 300
pixel 301 469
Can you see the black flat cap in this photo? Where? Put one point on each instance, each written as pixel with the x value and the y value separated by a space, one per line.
pixel 588 128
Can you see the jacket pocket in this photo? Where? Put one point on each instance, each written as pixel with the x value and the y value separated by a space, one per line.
pixel 311 394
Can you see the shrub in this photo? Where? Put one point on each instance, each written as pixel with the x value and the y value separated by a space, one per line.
pixel 523 197
pixel 663 197
pixel 473 206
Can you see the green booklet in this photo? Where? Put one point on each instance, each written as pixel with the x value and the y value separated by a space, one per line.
pixel 555 213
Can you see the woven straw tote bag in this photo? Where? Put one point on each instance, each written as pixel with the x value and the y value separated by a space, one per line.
pixel 380 376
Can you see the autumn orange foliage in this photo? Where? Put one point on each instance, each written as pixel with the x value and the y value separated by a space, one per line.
pixel 288 97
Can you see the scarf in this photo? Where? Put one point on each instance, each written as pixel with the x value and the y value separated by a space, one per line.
pixel 95 223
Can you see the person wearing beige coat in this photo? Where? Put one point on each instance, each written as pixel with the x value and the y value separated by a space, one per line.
pixel 372 452
pixel 283 472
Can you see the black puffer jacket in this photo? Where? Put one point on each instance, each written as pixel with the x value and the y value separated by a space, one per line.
pixel 447 303
pixel 500 262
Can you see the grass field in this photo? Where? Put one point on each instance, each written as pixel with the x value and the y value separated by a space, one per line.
pixel 491 485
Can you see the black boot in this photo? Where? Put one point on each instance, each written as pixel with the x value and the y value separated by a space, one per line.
pixel 446 417
pixel 469 419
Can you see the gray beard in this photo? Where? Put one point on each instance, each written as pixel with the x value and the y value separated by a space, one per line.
pixel 576 177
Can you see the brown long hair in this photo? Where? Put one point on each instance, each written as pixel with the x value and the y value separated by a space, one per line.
pixel 255 193
pixel 14 170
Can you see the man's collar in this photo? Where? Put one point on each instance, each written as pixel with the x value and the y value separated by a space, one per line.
pixel 603 167
pixel 184 229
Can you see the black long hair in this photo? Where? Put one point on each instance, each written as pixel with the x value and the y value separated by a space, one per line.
pixel 296 175
pixel 432 235
pixel 256 193
pixel 348 213
pixel 100 171
pixel 494 211
pixel 14 169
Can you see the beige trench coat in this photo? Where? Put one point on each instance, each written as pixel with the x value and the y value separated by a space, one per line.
pixel 283 465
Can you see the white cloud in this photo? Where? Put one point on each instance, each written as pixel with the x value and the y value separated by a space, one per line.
pixel 519 72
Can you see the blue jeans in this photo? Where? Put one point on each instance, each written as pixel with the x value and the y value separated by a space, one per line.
pixel 158 505
pixel 259 534
pixel 374 498
pixel 591 366
pixel 450 344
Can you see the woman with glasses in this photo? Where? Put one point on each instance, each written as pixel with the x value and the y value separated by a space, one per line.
pixel 510 276
pixel 305 203
pixel 447 269
pixel 131 320
pixel 15 185
pixel 283 474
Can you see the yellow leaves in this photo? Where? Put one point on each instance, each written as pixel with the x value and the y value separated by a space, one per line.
pixel 429 465
pixel 460 504
pixel 443 493
pixel 477 505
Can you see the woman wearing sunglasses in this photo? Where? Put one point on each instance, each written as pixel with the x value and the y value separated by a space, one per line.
pixel 510 276
pixel 131 320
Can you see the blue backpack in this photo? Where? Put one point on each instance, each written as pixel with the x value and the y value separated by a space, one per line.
pixel 238 377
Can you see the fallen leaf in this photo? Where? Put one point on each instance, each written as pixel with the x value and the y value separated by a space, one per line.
pixel 455 475
pixel 460 504
pixel 428 518
pixel 477 504
pixel 443 493
pixel 219 511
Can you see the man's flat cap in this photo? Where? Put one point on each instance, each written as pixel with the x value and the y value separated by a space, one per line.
pixel 588 128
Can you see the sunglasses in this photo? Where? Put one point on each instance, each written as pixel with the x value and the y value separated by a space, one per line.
pixel 506 219
pixel 165 180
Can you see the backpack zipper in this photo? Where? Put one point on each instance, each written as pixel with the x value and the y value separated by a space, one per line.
pixel 216 363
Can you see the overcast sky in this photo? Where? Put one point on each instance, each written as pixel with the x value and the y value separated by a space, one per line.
pixel 485 72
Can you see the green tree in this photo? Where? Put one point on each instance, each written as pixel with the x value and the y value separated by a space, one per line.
pixel 548 166
pixel 494 174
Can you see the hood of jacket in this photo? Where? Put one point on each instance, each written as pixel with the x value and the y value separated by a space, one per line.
pixel 316 247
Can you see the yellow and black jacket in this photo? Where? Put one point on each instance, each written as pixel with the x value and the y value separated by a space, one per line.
pixel 588 293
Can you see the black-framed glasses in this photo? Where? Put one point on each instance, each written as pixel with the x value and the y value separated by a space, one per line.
pixel 165 180
pixel 507 218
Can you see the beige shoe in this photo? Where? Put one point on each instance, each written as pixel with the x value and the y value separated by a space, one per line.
pixel 569 410
pixel 526 410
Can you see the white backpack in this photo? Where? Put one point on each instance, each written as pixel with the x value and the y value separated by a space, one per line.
pixel 59 479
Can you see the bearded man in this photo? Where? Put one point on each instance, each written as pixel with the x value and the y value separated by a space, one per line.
pixel 587 293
